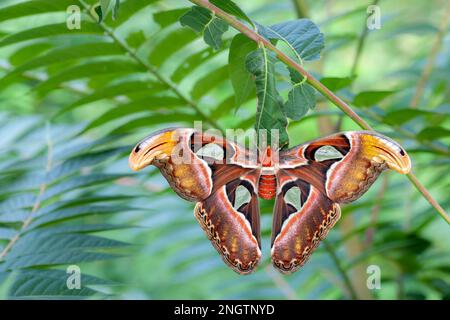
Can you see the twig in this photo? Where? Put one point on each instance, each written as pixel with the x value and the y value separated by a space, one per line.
pixel 431 58
pixel 37 203
pixel 252 35
pixel 428 196
pixel 314 83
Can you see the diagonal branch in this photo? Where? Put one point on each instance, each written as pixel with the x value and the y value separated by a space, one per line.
pixel 252 35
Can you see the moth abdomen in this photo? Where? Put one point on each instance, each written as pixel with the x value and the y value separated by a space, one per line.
pixel 267 187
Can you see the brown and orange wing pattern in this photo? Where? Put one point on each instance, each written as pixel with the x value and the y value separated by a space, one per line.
pixel 345 165
pixel 232 224
pixel 336 169
pixel 170 151
pixel 216 182
pixel 175 151
pixel 299 222
pixel 311 180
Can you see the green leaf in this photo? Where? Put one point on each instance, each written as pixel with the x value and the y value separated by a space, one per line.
pixel 49 30
pixel 78 162
pixel 302 36
pixel 128 9
pixel 122 88
pixel 135 107
pixel 83 200
pixel 168 17
pixel 336 83
pixel 404 115
pixel 232 8
pixel 46 284
pixel 99 12
pixel 105 7
pixel 43 242
pixel 209 81
pixel 431 133
pixel 241 79
pixel 87 70
pixel 170 44
pixel 157 119
pixel 270 114
pixel 7 233
pixel 203 21
pixel 76 212
pixel 213 32
pixel 60 257
pixel 369 98
pixel 136 39
pixel 227 105
pixel 197 18
pixel 27 53
pixel 115 9
pixel 13 203
pixel 14 216
pixel 34 7
pixel 79 182
pixel 188 65
pixel 79 228
pixel 301 98
pixel 68 53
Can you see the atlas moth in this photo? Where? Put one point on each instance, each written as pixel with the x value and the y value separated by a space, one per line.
pixel 308 183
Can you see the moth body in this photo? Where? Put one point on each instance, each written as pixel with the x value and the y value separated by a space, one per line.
pixel 267 187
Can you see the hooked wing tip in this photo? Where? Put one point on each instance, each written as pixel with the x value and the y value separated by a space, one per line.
pixel 155 146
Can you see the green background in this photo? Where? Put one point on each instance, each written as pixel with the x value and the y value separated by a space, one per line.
pixel 74 102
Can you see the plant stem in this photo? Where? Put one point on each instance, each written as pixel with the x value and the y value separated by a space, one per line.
pixel 252 35
pixel 151 69
pixel 431 58
pixel 428 196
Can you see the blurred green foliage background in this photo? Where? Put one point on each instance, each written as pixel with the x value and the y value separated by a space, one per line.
pixel 74 102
